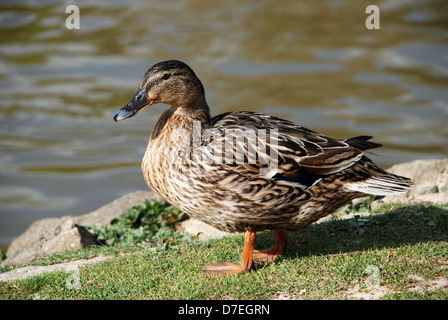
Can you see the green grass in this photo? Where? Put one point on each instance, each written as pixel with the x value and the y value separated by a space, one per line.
pixel 329 260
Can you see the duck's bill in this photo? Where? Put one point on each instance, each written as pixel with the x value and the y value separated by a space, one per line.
pixel 138 103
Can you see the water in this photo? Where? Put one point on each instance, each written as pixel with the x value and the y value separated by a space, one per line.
pixel 312 62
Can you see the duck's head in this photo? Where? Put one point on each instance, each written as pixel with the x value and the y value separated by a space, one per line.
pixel 171 82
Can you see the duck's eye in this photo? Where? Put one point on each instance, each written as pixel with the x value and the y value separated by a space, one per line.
pixel 166 76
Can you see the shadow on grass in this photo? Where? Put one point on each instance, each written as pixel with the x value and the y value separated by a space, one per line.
pixel 401 226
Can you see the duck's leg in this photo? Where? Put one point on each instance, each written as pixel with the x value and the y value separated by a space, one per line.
pixel 231 268
pixel 268 255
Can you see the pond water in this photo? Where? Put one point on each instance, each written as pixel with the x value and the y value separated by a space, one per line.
pixel 313 62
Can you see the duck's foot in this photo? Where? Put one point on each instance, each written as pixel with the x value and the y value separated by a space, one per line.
pixel 250 255
pixel 269 255
pixel 266 255
pixel 232 268
pixel 222 268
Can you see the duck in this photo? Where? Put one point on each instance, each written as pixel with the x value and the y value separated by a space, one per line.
pixel 246 172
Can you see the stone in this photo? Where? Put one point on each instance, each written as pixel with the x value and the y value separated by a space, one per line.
pixel 430 178
pixel 30 271
pixel 201 229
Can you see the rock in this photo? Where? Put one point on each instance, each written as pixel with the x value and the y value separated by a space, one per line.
pixel 431 182
pixel 30 271
pixel 430 176
pixel 47 236
pixel 203 230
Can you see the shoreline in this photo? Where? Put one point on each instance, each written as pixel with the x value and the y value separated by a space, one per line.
pixel 50 235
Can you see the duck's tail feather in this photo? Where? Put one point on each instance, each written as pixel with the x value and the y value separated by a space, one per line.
pixel 362 143
pixel 382 185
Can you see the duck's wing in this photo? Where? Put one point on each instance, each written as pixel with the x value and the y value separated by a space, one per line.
pixel 279 149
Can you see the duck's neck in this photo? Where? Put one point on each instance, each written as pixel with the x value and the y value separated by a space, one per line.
pixel 197 111
pixel 188 116
pixel 182 117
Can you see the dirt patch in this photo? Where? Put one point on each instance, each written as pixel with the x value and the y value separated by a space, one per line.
pixel 421 285
pixel 369 293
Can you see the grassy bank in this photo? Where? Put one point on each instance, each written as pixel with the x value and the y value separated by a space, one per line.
pixel 399 252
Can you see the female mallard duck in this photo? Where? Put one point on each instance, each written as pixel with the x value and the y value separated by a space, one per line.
pixel 245 171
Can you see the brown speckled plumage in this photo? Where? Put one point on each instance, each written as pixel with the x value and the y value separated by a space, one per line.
pixel 296 176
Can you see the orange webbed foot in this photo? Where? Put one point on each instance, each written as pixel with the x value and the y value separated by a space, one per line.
pixel 232 268
pixel 222 268
pixel 250 255
pixel 269 255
